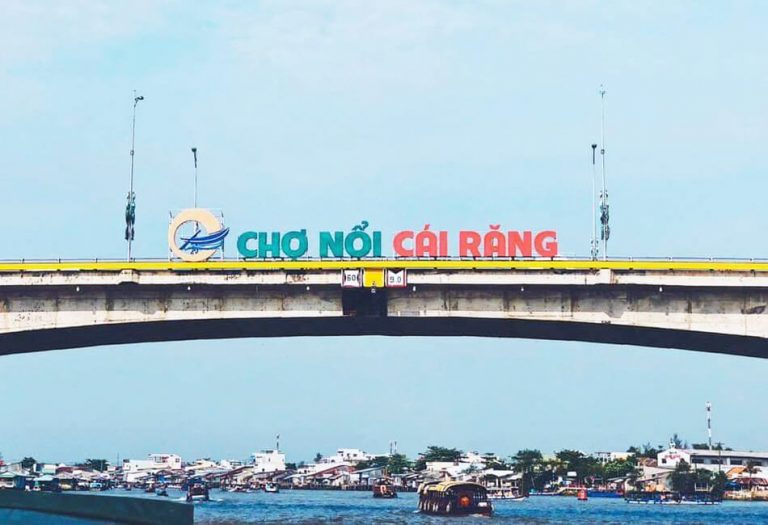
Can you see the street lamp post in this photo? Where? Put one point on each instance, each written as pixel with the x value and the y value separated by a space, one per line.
pixel 605 229
pixel 130 207
pixel 593 243
pixel 194 154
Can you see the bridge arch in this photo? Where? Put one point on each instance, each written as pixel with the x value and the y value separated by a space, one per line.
pixel 183 330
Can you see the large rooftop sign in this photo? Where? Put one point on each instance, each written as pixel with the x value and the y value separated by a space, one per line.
pixel 207 235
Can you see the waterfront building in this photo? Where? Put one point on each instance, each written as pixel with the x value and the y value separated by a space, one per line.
pixel 12 480
pixel 204 467
pixel 134 469
pixel 470 463
pixel 46 469
pixel 502 479
pixel 332 474
pixel 348 455
pixel 231 464
pixel 605 457
pixel 268 461
pixel 715 460
pixel 366 476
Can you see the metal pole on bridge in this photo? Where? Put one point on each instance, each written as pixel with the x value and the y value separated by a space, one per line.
pixel 605 229
pixel 130 207
pixel 194 154
pixel 593 248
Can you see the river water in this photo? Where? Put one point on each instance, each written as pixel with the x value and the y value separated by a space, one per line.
pixel 302 507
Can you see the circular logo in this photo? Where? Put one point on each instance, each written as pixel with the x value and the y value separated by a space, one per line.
pixel 204 238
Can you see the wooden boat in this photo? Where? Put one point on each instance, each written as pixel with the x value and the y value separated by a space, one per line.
pixel 272 488
pixel 383 488
pixel 506 494
pixel 197 491
pixel 454 498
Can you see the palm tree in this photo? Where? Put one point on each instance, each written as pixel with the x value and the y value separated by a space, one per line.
pixel 750 468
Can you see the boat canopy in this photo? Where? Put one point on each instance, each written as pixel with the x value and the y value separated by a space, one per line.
pixel 445 486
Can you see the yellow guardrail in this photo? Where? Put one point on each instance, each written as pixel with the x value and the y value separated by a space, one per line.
pixel 407 264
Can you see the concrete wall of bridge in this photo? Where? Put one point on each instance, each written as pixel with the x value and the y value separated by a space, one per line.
pixel 699 310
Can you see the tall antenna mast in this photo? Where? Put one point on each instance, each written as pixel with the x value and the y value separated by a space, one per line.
pixel 709 424
pixel 605 229
pixel 593 246
pixel 194 154
pixel 130 206
pixel 277 443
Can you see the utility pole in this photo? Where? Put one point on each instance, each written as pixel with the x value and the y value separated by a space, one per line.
pixel 130 207
pixel 194 154
pixel 605 229
pixel 593 246
pixel 709 424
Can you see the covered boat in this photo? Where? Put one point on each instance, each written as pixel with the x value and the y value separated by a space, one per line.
pixel 197 490
pixel 454 498
pixel 383 488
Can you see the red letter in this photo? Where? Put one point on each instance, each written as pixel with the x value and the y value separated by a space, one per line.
pixel 546 243
pixel 516 242
pixel 397 244
pixel 469 244
pixel 443 243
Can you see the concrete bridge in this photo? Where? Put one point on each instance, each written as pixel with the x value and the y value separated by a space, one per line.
pixel 710 306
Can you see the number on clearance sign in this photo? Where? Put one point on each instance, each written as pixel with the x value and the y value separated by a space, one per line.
pixel 396 279
pixel 351 279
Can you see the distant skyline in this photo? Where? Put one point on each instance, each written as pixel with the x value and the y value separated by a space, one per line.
pixel 320 114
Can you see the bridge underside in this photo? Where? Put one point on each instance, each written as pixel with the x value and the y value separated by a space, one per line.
pixel 180 330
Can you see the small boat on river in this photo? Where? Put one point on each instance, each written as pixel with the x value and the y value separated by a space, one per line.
pixel 272 488
pixel 506 494
pixel 383 488
pixel 672 498
pixel 454 498
pixel 197 490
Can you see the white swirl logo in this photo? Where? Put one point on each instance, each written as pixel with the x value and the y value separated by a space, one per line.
pixel 208 235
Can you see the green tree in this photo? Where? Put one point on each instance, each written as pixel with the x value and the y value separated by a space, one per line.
pixel 378 461
pixel 703 478
pixel 677 441
pixel 436 453
pixel 494 462
pixel 645 451
pixel 719 480
pixel 28 462
pixel 99 465
pixel 397 464
pixel 575 461
pixel 682 479
pixel 527 462
pixel 318 457
pixel 619 468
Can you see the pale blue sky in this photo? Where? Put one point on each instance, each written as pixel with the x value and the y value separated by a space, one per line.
pixel 318 114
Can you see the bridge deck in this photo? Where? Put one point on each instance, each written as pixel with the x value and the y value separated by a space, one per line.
pixel 394 263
